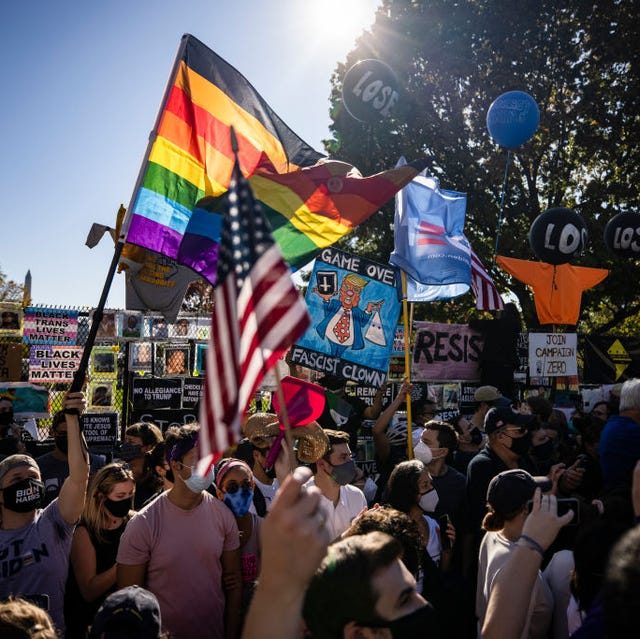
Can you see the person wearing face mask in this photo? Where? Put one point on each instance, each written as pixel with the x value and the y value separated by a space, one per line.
pixel 509 441
pixel 411 492
pixel 184 547
pixel 54 466
pixel 92 577
pixel 235 486
pixel 10 439
pixel 35 543
pixel 333 475
pixel 362 590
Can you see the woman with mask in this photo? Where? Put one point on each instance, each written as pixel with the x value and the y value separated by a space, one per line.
pixel 92 577
pixel 507 503
pixel 411 491
pixel 235 486
pixel 35 543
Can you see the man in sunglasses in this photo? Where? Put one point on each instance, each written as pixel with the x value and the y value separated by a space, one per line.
pixel 509 441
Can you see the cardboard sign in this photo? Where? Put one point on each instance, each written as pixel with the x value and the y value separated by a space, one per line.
pixel 553 354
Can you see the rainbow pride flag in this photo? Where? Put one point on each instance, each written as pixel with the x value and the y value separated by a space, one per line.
pixel 311 208
pixel 310 202
pixel 190 156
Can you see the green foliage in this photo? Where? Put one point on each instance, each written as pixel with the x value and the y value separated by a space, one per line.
pixel 10 291
pixel 453 59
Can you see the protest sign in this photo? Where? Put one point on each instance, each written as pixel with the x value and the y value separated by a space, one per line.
pixel 553 354
pixel 50 363
pixel 10 319
pixel 50 326
pixel 100 430
pixel 149 394
pixel 163 418
pixel 101 394
pixel 446 352
pixel 10 362
pixel 192 389
pixel 354 308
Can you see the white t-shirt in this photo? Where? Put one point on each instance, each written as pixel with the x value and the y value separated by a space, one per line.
pixel 268 492
pixel 351 503
pixel 494 551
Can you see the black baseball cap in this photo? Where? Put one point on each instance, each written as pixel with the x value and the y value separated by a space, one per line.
pixel 500 416
pixel 512 489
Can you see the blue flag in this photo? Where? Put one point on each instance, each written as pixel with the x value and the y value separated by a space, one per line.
pixel 429 242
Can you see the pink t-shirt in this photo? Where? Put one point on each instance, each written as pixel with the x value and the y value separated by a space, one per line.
pixel 183 550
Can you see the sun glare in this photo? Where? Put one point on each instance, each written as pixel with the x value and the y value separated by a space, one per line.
pixel 339 22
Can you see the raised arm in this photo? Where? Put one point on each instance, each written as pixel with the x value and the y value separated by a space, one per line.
pixel 511 593
pixel 294 541
pixel 383 448
pixel 74 488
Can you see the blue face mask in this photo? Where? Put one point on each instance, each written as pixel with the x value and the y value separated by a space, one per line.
pixel 196 483
pixel 239 502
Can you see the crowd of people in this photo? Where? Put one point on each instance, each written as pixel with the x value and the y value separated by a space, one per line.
pixel 511 522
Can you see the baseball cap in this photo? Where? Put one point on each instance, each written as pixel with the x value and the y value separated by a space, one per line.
pixel 512 489
pixel 13 461
pixel 132 609
pixel 500 416
pixel 486 394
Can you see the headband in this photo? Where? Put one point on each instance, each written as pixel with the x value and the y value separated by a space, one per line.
pixel 223 469
pixel 181 447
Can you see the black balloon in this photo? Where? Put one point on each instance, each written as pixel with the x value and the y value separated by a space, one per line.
pixel 557 235
pixel 622 235
pixel 370 90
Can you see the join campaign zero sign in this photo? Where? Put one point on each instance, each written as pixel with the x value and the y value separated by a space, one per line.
pixel 553 354
pixel 354 307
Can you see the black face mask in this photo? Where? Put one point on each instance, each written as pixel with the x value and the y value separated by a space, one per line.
pixel 62 443
pixel 6 418
pixel 476 436
pixel 543 451
pixel 411 625
pixel 520 445
pixel 118 508
pixel 23 496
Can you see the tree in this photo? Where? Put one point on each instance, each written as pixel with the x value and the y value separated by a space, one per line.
pixel 453 60
pixel 10 291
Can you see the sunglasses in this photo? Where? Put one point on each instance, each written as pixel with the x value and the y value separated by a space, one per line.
pixel 233 487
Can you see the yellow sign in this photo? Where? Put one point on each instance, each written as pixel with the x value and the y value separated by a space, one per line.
pixel 619 357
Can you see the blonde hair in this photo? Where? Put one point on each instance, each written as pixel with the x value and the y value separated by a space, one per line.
pixel 22 618
pixel 95 515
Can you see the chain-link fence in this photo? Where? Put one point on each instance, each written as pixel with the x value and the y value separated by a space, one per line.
pixel 131 350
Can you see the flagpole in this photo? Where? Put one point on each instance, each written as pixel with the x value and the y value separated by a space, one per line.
pixel 501 215
pixel 407 363
pixel 285 419
pixel 81 372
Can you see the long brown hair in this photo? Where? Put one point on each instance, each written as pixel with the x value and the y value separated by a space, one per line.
pixel 95 515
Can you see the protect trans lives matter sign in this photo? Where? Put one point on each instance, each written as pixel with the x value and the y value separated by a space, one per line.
pixel 553 354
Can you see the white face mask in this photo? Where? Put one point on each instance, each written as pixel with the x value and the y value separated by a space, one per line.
pixel 423 453
pixel 197 483
pixel 370 489
pixel 429 501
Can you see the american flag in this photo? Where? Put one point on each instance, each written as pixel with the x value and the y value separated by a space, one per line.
pixel 487 296
pixel 258 314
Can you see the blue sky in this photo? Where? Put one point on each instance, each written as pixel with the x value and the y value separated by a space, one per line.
pixel 82 82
